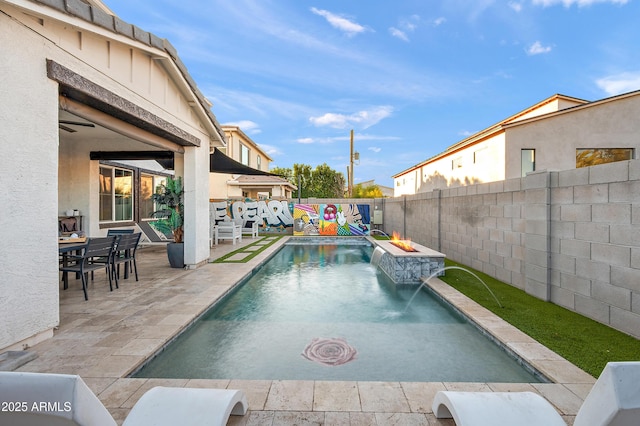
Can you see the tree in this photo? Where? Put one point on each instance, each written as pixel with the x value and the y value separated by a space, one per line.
pixel 327 183
pixel 369 191
pixel 592 157
pixel 323 182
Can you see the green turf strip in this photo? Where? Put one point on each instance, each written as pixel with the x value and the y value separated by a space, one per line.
pixel 250 254
pixel 583 341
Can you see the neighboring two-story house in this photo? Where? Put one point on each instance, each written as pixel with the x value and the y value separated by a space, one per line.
pixel 244 150
pixel 559 133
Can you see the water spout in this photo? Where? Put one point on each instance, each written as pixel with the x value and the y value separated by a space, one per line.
pixel 377 254
pixel 380 232
pixel 424 281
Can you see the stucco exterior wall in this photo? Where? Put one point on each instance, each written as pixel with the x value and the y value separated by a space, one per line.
pixel 134 66
pixel 571 237
pixel 481 158
pixel 465 167
pixel 28 186
pixel 555 139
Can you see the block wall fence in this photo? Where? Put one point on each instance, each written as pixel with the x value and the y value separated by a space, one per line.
pixel 570 237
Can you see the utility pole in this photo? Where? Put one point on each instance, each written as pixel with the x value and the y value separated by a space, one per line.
pixel 350 177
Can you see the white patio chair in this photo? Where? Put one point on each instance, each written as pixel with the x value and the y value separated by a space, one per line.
pixel 228 231
pixel 34 399
pixel 614 400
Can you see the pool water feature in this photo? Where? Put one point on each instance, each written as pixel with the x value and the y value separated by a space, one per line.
pixel 271 326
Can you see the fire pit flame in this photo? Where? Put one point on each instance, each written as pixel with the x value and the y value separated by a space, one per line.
pixel 402 244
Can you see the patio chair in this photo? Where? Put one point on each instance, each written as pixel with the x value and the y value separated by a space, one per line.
pixel 150 236
pixel 125 252
pixel 227 231
pixel 614 400
pixel 119 231
pixel 83 263
pixel 249 227
pixel 61 399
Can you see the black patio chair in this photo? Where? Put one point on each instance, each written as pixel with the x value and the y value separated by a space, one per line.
pixel 126 253
pixel 97 248
pixel 115 231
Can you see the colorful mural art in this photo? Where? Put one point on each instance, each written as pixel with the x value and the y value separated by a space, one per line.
pixel 272 216
pixel 331 219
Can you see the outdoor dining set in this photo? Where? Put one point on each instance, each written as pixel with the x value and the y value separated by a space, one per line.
pixel 84 255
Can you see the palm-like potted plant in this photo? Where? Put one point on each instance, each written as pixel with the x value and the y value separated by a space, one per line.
pixel 170 215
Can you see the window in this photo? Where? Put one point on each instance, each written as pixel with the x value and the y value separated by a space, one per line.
pixel 244 155
pixel 527 161
pixel 116 194
pixel 259 163
pixel 480 156
pixel 148 186
pixel 456 163
pixel 586 157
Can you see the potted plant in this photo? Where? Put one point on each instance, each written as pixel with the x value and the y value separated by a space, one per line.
pixel 170 215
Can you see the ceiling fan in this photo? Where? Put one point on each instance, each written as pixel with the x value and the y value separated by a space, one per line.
pixel 61 124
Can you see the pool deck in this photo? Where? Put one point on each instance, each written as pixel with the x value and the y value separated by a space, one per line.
pixel 105 338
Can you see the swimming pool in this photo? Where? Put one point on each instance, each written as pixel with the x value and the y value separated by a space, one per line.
pixel 323 312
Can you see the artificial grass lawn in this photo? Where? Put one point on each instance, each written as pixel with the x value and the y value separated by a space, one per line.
pixel 244 249
pixel 583 341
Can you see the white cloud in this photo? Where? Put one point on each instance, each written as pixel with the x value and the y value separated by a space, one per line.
pixel 537 48
pixel 398 34
pixel 339 22
pixel 620 83
pixel 579 3
pixel 374 149
pixel 270 150
pixel 409 25
pixel 362 119
pixel 358 137
pixel 515 6
pixel 439 21
pixel 305 140
pixel 247 126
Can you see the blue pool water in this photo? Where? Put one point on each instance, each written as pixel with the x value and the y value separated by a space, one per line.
pixel 307 292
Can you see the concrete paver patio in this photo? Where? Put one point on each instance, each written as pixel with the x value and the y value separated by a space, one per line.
pixel 105 338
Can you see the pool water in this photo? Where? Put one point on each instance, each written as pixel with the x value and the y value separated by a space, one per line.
pixel 306 292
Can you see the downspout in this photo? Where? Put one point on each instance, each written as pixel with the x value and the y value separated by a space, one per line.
pixel 404 216
pixel 548 217
pixel 439 221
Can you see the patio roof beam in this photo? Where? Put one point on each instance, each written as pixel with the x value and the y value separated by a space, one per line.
pixel 130 155
pixel 118 126
pixel 76 87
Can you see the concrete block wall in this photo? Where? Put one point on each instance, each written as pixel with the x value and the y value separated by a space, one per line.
pixel 569 237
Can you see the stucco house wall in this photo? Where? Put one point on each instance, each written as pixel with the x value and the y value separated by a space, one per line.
pixel 478 158
pixel 610 123
pixel 45 171
pixel 28 186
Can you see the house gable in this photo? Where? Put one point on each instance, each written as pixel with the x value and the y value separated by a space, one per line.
pixel 136 60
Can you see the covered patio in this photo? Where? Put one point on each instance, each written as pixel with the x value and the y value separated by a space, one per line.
pixel 106 338
pixel 84 92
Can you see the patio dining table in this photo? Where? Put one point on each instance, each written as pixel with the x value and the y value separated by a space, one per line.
pixel 65 249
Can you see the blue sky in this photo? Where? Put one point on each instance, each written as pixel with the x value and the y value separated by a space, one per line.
pixel 410 77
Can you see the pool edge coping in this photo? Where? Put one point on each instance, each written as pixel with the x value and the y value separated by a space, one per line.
pixel 538 359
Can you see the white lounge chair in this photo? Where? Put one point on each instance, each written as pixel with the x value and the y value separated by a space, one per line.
pixel 151 236
pixel 614 400
pixel 59 399
pixel 227 231
pixel 248 227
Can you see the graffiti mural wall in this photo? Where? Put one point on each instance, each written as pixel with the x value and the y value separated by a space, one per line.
pixel 331 219
pixel 272 216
